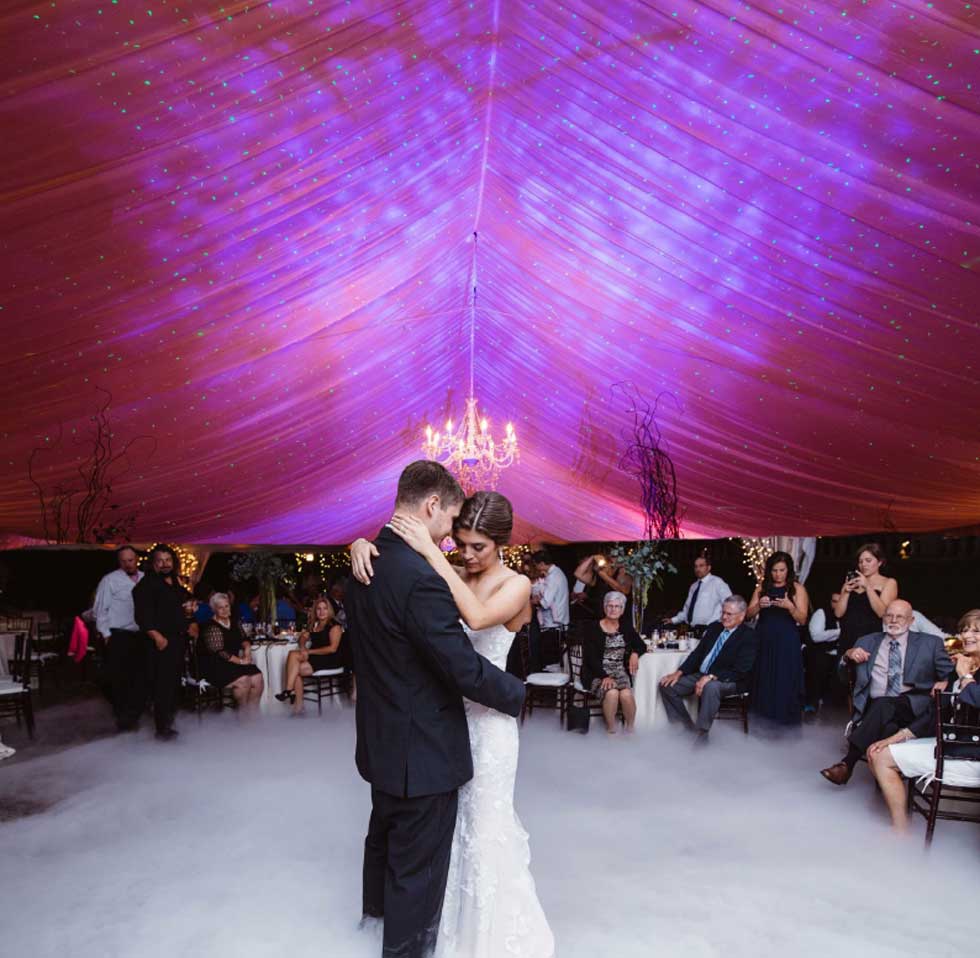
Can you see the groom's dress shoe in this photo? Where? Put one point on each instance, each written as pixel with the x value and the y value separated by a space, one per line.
pixel 839 774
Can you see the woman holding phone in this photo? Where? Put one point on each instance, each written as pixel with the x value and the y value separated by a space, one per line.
pixel 864 596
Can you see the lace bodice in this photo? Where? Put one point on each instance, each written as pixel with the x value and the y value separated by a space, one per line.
pixel 493 643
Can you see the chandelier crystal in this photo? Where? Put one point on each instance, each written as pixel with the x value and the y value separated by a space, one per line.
pixel 469 452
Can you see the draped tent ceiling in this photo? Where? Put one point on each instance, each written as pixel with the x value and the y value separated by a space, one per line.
pixel 252 224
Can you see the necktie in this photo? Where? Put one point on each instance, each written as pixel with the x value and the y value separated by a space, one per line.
pixel 894 668
pixel 715 652
pixel 693 603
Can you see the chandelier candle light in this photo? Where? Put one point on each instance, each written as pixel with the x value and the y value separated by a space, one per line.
pixel 470 452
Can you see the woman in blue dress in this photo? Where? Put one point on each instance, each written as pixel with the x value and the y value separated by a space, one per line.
pixel 782 605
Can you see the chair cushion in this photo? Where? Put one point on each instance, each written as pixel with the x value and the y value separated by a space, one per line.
pixel 325 673
pixel 548 679
pixel 12 688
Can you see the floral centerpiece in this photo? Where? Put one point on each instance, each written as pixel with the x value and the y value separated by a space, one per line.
pixel 269 570
pixel 647 563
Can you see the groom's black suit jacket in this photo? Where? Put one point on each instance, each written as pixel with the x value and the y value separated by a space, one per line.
pixel 414 663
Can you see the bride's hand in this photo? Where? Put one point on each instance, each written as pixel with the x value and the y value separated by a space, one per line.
pixel 361 554
pixel 413 531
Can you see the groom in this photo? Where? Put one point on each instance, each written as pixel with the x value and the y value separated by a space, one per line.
pixel 414 664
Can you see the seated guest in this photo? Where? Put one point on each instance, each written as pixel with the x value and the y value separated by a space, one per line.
pixel 226 659
pixel 203 611
pixel 325 651
pixel 336 594
pixel 285 610
pixel 247 610
pixel 611 652
pixel 910 752
pixel 821 656
pixel 721 665
pixel 895 673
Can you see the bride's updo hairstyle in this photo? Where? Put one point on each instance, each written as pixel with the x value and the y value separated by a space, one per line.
pixel 489 514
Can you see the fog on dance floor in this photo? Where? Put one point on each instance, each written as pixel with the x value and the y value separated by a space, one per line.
pixel 245 840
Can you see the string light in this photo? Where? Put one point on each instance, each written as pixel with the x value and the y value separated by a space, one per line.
pixel 186 561
pixel 322 562
pixel 514 556
pixel 755 552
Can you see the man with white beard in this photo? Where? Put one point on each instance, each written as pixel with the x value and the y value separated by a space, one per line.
pixel 895 673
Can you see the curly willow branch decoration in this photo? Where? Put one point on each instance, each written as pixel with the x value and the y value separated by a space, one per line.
pixel 647 459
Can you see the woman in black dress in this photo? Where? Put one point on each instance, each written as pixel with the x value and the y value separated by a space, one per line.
pixel 864 596
pixel 226 655
pixel 611 652
pixel 782 605
pixel 325 638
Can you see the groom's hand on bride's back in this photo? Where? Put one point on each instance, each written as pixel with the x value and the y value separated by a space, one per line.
pixel 361 553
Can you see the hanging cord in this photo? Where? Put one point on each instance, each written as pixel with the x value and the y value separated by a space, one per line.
pixel 473 312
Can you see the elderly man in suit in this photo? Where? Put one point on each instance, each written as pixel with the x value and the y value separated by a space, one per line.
pixel 721 665
pixel 895 673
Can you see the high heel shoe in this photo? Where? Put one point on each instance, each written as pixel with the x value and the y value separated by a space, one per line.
pixel 286 695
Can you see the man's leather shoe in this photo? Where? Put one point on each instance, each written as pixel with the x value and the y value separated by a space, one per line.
pixel 839 774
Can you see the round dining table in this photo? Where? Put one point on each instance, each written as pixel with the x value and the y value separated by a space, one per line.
pixel 270 657
pixel 650 711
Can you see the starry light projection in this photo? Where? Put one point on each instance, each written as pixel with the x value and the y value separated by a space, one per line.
pixel 249 222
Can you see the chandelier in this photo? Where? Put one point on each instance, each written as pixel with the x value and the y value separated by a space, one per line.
pixel 470 452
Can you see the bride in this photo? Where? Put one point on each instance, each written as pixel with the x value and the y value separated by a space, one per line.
pixel 491 909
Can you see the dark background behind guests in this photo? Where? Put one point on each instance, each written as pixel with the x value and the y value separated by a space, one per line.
pixel 939 577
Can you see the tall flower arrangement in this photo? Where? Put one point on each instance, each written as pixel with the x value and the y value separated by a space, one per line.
pixel 269 570
pixel 647 563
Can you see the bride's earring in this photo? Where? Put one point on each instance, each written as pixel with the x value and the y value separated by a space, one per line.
pixel 500 554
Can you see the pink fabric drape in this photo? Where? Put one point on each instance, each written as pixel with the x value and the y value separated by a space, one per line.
pixel 250 222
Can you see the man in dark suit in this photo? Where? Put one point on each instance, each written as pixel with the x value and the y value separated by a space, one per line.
pixel 895 672
pixel 161 611
pixel 414 664
pixel 721 665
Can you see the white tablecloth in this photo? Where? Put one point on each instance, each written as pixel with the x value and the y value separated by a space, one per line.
pixel 650 712
pixel 271 660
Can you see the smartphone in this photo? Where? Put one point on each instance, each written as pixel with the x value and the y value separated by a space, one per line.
pixel 851 576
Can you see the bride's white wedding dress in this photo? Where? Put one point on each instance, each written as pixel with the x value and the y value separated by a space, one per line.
pixel 491 909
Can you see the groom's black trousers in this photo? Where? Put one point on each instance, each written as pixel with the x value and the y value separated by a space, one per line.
pixel 406 862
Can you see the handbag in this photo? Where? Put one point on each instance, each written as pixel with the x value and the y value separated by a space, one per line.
pixel 577 718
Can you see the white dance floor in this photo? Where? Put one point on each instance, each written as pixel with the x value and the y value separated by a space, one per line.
pixel 245 840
